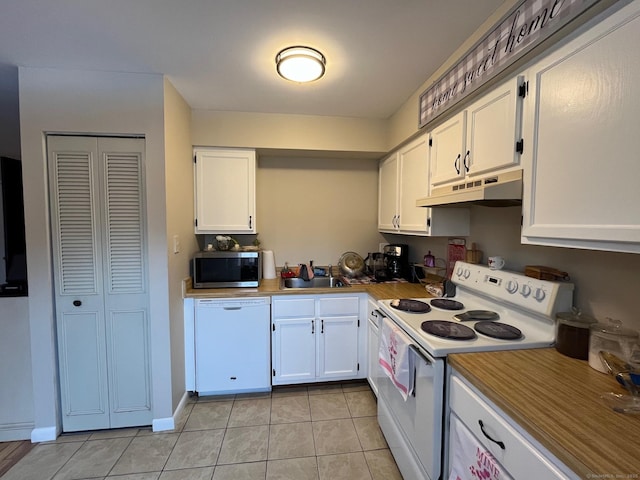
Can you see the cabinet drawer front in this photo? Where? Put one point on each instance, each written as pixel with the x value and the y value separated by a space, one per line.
pixel 295 307
pixel 519 457
pixel 338 305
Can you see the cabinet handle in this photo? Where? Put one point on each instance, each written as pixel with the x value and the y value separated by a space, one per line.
pixel 313 327
pixel 322 326
pixel 77 303
pixel 498 442
pixel 464 161
pixel 456 164
pixel 250 220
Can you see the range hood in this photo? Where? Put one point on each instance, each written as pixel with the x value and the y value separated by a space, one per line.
pixel 500 190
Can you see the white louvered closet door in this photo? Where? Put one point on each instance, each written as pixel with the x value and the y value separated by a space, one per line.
pixel 98 238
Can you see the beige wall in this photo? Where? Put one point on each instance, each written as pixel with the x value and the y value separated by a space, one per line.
pixel 291 132
pixel 606 282
pixel 75 101
pixel 179 193
pixel 316 209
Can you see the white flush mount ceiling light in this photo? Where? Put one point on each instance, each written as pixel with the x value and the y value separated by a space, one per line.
pixel 300 64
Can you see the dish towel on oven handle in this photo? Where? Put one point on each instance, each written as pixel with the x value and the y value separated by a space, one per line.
pixel 395 357
pixel 471 460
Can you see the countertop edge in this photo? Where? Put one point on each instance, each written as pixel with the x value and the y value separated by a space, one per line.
pixel 271 287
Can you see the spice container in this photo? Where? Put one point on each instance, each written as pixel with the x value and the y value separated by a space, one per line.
pixel 572 334
pixel 610 337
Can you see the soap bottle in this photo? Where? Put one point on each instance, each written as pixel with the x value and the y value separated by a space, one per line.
pixel 429 260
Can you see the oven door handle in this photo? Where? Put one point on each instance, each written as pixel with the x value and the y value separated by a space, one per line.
pixel 422 356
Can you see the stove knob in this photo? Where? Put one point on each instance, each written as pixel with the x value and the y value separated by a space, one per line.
pixel 512 286
pixel 539 294
pixel 459 271
pixel 526 290
pixel 467 273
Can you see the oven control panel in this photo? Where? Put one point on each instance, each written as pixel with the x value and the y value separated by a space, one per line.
pixel 539 296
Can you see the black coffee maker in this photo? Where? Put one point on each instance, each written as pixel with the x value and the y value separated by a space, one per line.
pixel 396 258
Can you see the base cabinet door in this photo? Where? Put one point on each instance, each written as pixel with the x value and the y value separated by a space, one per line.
pixel 580 179
pixel 336 354
pixel 294 350
pixel 315 338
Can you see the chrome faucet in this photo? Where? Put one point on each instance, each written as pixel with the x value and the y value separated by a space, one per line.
pixel 329 271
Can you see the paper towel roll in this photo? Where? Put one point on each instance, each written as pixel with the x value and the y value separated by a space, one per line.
pixel 268 264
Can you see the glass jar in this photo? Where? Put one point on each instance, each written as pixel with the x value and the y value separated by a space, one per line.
pixel 613 338
pixel 572 333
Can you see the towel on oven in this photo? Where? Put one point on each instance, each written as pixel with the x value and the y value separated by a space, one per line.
pixel 395 358
pixel 471 460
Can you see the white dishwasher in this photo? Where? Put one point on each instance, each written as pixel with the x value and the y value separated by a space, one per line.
pixel 232 345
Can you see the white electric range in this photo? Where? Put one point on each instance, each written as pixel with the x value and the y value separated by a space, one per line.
pixel 499 302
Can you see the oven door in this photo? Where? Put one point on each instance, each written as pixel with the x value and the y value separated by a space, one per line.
pixel 413 428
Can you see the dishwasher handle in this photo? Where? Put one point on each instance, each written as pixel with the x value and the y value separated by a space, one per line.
pixel 232 303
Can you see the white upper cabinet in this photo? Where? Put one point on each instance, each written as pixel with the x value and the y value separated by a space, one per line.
pixel 482 139
pixel 403 179
pixel 388 194
pixel 447 149
pixel 581 177
pixel 225 185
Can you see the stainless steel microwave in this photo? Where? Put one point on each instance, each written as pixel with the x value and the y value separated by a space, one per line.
pixel 226 269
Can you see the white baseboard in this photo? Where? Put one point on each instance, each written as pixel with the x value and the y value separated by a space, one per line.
pixel 10 432
pixel 46 434
pixel 169 423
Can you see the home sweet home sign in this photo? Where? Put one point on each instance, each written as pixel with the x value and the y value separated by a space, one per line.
pixel 528 23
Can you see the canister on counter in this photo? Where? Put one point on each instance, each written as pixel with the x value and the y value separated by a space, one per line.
pixel 572 334
pixel 613 338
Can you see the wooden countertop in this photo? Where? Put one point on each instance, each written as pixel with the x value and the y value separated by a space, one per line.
pixel 272 287
pixel 556 399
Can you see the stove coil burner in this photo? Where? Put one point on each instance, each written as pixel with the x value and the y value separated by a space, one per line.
pixel 501 331
pixel 447 304
pixel 448 329
pixel 410 306
pixel 477 315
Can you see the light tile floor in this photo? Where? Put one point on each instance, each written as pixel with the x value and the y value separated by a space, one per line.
pixel 324 432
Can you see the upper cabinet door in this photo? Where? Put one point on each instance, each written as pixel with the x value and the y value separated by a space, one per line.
pixel 493 129
pixel 388 194
pixel 481 139
pixel 225 191
pixel 581 176
pixel 413 184
pixel 448 149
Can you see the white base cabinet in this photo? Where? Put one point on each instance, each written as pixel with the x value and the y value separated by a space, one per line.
pixel 494 441
pixel 316 338
pixel 403 179
pixel 581 177
pixel 373 336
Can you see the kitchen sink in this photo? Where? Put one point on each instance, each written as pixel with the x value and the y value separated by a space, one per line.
pixel 315 282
